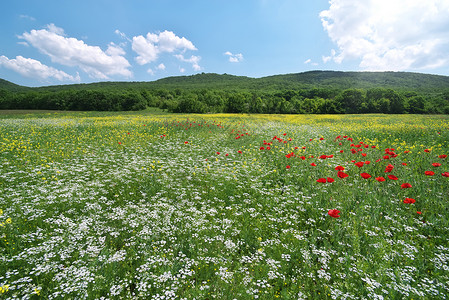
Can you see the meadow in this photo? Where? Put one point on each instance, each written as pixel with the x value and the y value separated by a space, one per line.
pixel 176 206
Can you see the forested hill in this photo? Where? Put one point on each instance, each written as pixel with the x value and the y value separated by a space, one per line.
pixel 309 92
pixel 314 79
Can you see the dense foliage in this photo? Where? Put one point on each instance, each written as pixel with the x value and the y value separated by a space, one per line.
pixel 304 93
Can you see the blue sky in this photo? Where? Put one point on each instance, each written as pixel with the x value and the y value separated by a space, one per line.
pixel 51 42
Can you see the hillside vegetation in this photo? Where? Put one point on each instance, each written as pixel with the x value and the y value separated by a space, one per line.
pixel 309 92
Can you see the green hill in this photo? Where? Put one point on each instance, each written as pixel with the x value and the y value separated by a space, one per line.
pixel 400 81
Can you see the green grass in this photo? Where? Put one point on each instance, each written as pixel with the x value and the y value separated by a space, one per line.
pixel 145 205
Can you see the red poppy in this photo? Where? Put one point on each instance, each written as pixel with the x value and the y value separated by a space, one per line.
pixel 186 142
pixel 339 168
pixel 330 156
pixel 323 156
pixel 367 162
pixel 409 200
pixel 429 173
pixel 119 143
pixel 427 150
pixel 227 154
pixel 386 157
pixel 261 148
pixel 334 213
pixel 341 151
pixel 406 185
pixel 442 156
pixel 389 168
pixel 436 164
pixel 313 164
pixel 380 179
pixel 407 151
pixel 268 148
pixel 359 164
pixel 303 157
pixel 239 152
pixel 288 167
pixel 418 212
pixel 342 174
pixel 365 175
pixel 322 180
pixel 321 139
pixel 330 179
pixel 218 153
pixel 363 154
pixel 404 164
pixel 445 174
pixel 392 177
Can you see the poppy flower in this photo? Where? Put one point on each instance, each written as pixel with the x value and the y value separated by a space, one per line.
pixel 218 153
pixel 313 164
pixel 427 150
pixel 365 175
pixel 321 139
pixel 119 143
pixel 268 148
pixel 404 164
pixel 389 168
pixel 359 164
pixel 330 156
pixel 323 156
pixel 287 167
pixel 186 142
pixel 436 164
pixel 380 179
pixel 330 179
pixel 407 151
pixel 367 162
pixel 445 174
pixel 418 212
pixel 227 154
pixel 322 180
pixel 239 152
pixel 261 148
pixel 342 174
pixel 406 185
pixel 392 177
pixel 429 173
pixel 386 157
pixel 303 157
pixel 334 213
pixel 339 168
pixel 341 151
pixel 409 200
pixel 442 156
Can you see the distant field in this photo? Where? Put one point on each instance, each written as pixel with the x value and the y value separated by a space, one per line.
pixel 164 206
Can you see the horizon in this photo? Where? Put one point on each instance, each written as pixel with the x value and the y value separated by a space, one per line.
pixel 45 43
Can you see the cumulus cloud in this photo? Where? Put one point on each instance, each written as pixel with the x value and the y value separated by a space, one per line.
pixel 150 47
pixel 161 67
pixel 32 68
pixel 194 60
pixel 389 34
pixel 68 51
pixel 234 58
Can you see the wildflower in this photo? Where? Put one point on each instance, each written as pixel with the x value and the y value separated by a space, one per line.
pixel 445 174
pixel 392 177
pixel 389 168
pixel 288 167
pixel 404 164
pixel 186 142
pixel 261 148
pixel 218 153
pixel 365 175
pixel 409 200
pixel 359 164
pixel 4 289
pixel 380 179
pixel 313 164
pixel 427 150
pixel 334 213
pixel 429 173
pixel 342 175
pixel 442 156
pixel 322 180
pixel 323 156
pixel 330 179
pixel 406 185
pixel 418 212
pixel 436 164
pixel 339 168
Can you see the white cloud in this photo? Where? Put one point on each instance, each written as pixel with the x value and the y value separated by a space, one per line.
pixel 27 17
pixel 194 60
pixel 73 52
pixel 122 35
pixel 161 67
pixel 32 68
pixel 182 70
pixel 308 61
pixel 389 34
pixel 234 58
pixel 150 47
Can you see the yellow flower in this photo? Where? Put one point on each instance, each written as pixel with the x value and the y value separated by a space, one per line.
pixel 4 289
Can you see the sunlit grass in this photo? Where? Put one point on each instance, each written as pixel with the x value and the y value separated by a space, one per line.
pixel 144 205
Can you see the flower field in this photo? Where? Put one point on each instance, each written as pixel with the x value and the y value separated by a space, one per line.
pixel 108 206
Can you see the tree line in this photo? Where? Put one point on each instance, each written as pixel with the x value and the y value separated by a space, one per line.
pixel 302 101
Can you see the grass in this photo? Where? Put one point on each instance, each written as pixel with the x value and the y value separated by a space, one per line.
pixel 163 206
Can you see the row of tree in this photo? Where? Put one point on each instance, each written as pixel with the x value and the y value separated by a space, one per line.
pixel 315 101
